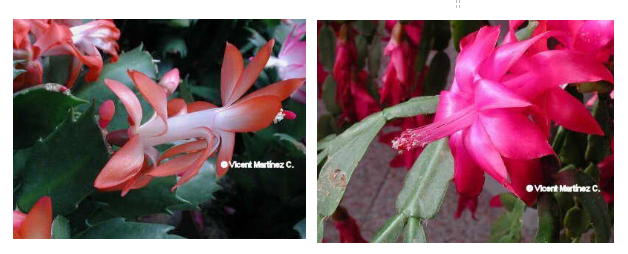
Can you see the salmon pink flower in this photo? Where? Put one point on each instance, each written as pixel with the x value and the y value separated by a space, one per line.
pixel 208 128
pixel 37 224
pixel 52 37
pixel 498 109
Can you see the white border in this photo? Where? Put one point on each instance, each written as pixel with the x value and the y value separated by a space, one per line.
pixel 310 10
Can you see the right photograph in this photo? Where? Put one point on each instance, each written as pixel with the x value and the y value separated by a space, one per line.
pixel 465 131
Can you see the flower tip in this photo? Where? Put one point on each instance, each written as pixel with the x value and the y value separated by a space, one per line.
pixel 105 113
pixel 289 115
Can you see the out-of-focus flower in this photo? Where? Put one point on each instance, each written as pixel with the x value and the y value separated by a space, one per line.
pixel 52 37
pixel 399 77
pixel 348 229
pixel 355 101
pixel 502 100
pixel 210 128
pixel 291 59
pixel 37 224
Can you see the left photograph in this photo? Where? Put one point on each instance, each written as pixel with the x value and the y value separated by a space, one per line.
pixel 159 129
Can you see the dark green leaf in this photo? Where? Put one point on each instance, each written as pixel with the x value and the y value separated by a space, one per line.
pixel 598 147
pixel 65 164
pixel 549 219
pixel 361 43
pixel 508 200
pixel 156 197
pixel 327 47
pixel 391 230
pixel 174 45
pixel 329 96
pixel 442 34
pixel 426 184
pixel 425 47
pixel 577 221
pixel 461 28
pixel 135 59
pixel 374 55
pixel 57 69
pixel 118 228
pixel 37 111
pixel 60 228
pixel 592 202
pixel 364 27
pixel 291 146
pixel 436 78
pixel 201 188
pixel 320 228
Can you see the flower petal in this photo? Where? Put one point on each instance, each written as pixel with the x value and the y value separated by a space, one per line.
pixel 200 105
pixel 18 219
pixel 128 98
pixel 175 166
pixel 123 165
pixel 250 73
pixel 177 107
pixel 492 95
pixel 188 147
pixel 523 173
pixel 468 177
pixel 232 67
pixel 281 90
pixel 484 154
pixel 38 222
pixel 514 135
pixel 569 112
pixel 504 56
pixel 153 93
pixel 250 115
pixel 170 80
pixel 472 55
pixel 227 142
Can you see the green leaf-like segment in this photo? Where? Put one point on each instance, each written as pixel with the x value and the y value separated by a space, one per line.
pixel 118 228
pixel 592 202
pixel 507 229
pixel 342 154
pixel 37 111
pixel 65 164
pixel 60 228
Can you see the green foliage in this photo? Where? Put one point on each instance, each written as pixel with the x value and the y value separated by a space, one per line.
pixel 327 46
pixel 65 164
pixel 329 96
pixel 60 228
pixel 37 111
pixel 507 229
pixel 118 228
pixel 549 219
pixel 461 28
pixel 414 232
pixel 391 230
pixel 592 202
pixel 526 32
pixel 426 184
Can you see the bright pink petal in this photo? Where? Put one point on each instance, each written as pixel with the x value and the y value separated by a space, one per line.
pixel 570 113
pixel 472 55
pixel 492 95
pixel 514 135
pixel 18 219
pixel 523 173
pixel 468 177
pixel 484 154
pixel 153 93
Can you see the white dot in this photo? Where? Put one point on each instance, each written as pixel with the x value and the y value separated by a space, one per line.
pixel 224 164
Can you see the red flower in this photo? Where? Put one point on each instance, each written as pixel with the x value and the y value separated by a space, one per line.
pixel 37 224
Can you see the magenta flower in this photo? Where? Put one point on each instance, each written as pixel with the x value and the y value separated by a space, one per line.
pixel 498 109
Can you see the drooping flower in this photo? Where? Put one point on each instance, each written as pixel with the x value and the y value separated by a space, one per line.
pixel 348 229
pixel 351 94
pixel 399 76
pixel 607 176
pixel 37 224
pixel 498 109
pixel 53 37
pixel 209 128
pixel 291 59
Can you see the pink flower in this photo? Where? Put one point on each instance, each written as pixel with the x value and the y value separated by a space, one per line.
pixel 36 224
pixel 498 109
pixel 399 77
pixel 355 101
pixel 607 176
pixel 291 59
pixel 58 38
pixel 209 128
